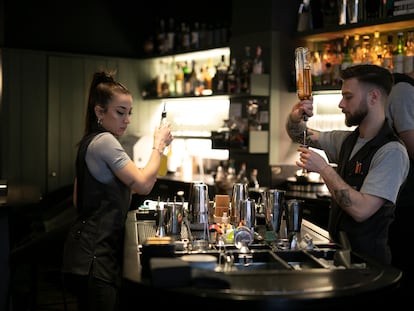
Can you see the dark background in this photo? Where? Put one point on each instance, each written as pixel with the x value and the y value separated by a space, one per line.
pixel 101 27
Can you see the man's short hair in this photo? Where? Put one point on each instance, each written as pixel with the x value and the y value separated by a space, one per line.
pixel 371 74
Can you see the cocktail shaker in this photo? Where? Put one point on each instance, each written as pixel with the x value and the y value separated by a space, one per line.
pixel 294 212
pixel 239 194
pixel 274 208
pixel 198 203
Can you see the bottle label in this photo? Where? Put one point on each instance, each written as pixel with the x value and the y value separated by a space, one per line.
pixel 408 64
pixel 398 63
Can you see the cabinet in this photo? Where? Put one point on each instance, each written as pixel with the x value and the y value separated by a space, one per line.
pixel 383 25
pixel 246 113
pixel 315 39
pixel 164 75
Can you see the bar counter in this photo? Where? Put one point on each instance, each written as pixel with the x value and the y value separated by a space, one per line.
pixel 370 284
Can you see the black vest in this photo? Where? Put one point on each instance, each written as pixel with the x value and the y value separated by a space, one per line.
pixel 95 242
pixel 370 237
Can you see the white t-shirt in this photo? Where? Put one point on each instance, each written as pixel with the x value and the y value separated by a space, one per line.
pixel 105 155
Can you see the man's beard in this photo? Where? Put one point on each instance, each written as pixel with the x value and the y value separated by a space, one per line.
pixel 359 115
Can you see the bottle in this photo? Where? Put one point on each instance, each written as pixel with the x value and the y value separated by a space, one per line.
pixel 303 73
pixel 346 59
pixel 366 50
pixel 245 71
pixel 170 38
pixel 195 36
pixel 160 36
pixel 242 176
pixel 220 84
pixel 162 171
pixel 356 53
pixel 232 77
pixel 316 69
pixel 398 57
pixel 387 55
pixel 186 74
pixel 409 53
pixel 377 50
pixel 193 79
pixel 258 61
pixel 253 182
pixel 165 87
pixel 179 80
pixel 185 36
pixel 336 63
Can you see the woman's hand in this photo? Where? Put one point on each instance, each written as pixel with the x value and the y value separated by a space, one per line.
pixel 162 137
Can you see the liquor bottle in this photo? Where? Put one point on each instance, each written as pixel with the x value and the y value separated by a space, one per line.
pixel 160 36
pixel 336 63
pixel 187 83
pixel 195 36
pixel 233 77
pixel 165 86
pixel 398 57
pixel 387 55
pixel 316 68
pixel 377 50
pixel 245 71
pixel 409 53
pixel 193 80
pixel 162 171
pixel 185 36
pixel 170 37
pixel 303 73
pixel 242 175
pixel 179 80
pixel 254 182
pixel 366 50
pixel 346 59
pixel 220 79
pixel 356 52
pixel 258 61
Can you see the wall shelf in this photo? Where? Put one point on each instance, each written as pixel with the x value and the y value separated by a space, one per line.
pixel 383 25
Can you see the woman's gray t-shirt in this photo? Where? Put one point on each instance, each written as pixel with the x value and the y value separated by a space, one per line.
pixel 105 155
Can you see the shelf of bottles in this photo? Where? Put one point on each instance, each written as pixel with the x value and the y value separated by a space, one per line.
pixel 209 72
pixel 393 50
pixel 172 36
pixel 354 32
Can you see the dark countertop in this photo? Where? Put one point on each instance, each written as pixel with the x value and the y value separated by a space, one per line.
pixel 366 282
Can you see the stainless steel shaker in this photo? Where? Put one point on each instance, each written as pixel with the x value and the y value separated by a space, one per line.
pixel 248 213
pixel 239 194
pixel 294 211
pixel 175 216
pixel 198 203
pixel 274 208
